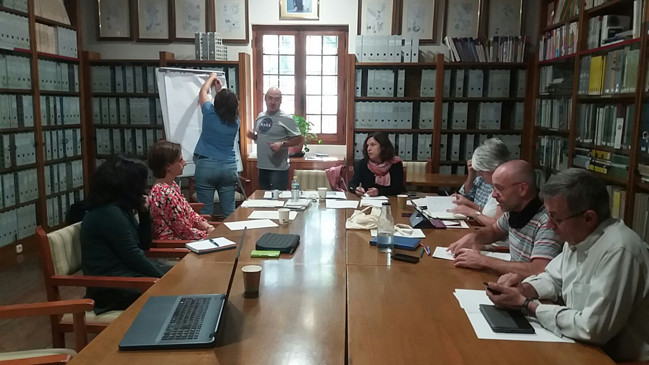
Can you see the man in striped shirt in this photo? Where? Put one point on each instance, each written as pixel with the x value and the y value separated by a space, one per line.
pixel 531 243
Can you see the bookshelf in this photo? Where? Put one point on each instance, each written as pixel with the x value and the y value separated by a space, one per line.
pixel 596 92
pixel 444 118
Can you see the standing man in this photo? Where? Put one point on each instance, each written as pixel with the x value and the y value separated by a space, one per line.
pixel 275 131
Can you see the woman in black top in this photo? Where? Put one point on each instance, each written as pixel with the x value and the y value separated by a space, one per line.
pixel 380 172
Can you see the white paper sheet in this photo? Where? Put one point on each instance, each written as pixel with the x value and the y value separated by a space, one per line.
pixel 300 204
pixel 455 224
pixel 437 204
pixel 416 233
pixel 336 195
pixel 341 204
pixel 441 253
pixel 367 202
pixel 270 214
pixel 380 197
pixel 251 224
pixel 261 203
pixel 287 194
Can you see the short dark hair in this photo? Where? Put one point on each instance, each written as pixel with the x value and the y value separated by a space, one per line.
pixel 120 181
pixel 161 154
pixel 387 149
pixel 226 105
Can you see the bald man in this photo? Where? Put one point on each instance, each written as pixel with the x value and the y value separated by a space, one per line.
pixel 275 131
pixel 531 243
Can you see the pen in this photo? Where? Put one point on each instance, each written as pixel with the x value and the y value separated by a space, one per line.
pixel 428 250
pixel 214 242
pixel 422 253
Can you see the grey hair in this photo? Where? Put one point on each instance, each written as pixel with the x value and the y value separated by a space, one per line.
pixel 489 155
pixel 582 190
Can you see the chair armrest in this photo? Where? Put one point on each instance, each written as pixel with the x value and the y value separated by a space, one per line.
pixel 104 281
pixel 158 244
pixel 46 308
pixel 178 253
pixel 244 180
pixel 61 359
pixel 197 207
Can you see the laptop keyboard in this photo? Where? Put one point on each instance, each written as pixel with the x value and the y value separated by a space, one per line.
pixel 187 320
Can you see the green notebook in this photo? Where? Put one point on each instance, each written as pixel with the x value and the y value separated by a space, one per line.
pixel 260 253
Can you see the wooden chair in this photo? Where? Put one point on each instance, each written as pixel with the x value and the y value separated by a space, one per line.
pixel 312 179
pixel 414 167
pixel 240 194
pixel 60 253
pixel 180 244
pixel 76 308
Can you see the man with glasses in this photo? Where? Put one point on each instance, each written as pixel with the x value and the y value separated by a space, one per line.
pixel 602 274
pixel 531 243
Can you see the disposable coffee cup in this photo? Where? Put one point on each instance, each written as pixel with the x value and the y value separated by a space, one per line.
pixel 275 194
pixel 401 200
pixel 283 215
pixel 251 279
pixel 322 193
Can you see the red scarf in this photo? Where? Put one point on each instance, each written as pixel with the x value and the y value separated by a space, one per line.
pixel 381 171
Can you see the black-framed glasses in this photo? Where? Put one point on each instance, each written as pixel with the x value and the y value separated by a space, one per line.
pixel 500 191
pixel 558 221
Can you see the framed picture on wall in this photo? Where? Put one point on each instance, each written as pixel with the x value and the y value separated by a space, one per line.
pixel 505 18
pixel 189 17
pixel 231 17
pixel 152 18
pixel 299 9
pixel 419 19
pixel 114 20
pixel 376 17
pixel 462 18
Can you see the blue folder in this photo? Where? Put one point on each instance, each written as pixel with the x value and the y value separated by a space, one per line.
pixel 402 243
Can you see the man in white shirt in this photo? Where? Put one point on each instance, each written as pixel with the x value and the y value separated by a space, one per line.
pixel 601 275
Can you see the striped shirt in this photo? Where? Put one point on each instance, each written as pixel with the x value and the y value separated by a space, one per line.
pixel 534 241
pixel 480 192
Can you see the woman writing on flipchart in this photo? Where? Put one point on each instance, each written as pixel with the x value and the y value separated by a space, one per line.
pixel 214 155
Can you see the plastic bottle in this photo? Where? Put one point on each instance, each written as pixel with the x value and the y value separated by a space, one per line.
pixel 295 189
pixel 385 229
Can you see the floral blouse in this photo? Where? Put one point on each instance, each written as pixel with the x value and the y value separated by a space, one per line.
pixel 173 217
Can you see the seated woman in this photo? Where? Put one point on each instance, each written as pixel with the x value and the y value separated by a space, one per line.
pixel 479 203
pixel 112 240
pixel 380 172
pixel 173 217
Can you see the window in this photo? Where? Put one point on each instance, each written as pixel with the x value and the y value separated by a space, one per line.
pixel 307 65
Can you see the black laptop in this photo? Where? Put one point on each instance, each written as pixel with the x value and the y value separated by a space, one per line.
pixel 179 321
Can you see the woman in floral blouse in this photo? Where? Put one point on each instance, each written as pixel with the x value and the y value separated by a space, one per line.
pixel 173 217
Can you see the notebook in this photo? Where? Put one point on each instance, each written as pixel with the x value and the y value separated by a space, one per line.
pixel 402 243
pixel 210 245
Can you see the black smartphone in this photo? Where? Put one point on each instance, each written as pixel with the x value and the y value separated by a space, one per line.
pixel 406 258
pixel 496 292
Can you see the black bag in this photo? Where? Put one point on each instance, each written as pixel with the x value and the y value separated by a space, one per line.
pixel 284 243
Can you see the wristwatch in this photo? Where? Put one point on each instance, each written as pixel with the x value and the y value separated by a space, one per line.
pixel 283 143
pixel 476 214
pixel 524 309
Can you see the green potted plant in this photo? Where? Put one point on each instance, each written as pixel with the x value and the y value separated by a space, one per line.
pixel 305 130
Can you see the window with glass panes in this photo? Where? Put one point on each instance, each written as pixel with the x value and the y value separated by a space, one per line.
pixel 304 63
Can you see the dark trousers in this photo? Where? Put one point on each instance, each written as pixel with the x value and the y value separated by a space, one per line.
pixel 272 179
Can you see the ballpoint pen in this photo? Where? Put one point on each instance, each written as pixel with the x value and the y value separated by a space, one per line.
pixel 214 242
pixel 421 254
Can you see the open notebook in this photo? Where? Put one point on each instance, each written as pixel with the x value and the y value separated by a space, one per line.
pixel 210 245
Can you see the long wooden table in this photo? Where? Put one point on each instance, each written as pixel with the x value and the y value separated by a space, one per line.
pixel 435 180
pixel 337 300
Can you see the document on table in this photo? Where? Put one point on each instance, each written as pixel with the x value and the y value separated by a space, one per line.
pixel 300 204
pixel 251 224
pixel 371 202
pixel 261 203
pixel 455 224
pixel 441 253
pixel 470 301
pixel 284 194
pixel 436 204
pixel 416 233
pixel 270 214
pixel 341 204
pixel 336 195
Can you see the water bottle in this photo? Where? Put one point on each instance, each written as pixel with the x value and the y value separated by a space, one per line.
pixel 295 189
pixel 385 229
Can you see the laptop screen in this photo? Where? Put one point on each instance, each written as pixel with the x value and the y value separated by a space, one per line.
pixel 236 261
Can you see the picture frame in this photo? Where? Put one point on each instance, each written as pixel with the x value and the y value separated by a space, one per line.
pixel 377 17
pixel 152 20
pixel 419 19
pixel 189 17
pixel 114 20
pixel 299 9
pixel 505 18
pixel 462 18
pixel 231 21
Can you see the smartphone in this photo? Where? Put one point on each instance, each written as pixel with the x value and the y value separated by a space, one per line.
pixel 406 258
pixel 495 292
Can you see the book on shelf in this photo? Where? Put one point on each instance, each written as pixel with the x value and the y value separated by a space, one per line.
pixel 603 162
pixel 552 152
pixel 613 73
pixel 52 9
pixel 495 49
pixel 553 114
pixel 640 222
pixel 14 31
pixel 617 201
pixel 605 125
pixel 555 79
pixel 559 42
pixel 560 10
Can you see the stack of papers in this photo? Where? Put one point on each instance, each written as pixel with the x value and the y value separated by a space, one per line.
pixel 470 301
pixel 373 201
pixel 210 245
pixel 251 224
pixel 441 253
pixel 336 195
pixel 261 203
pixel 341 204
pixel 270 214
pixel 300 204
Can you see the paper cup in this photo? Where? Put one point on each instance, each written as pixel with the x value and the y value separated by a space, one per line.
pixel 283 215
pixel 401 200
pixel 251 279
pixel 322 193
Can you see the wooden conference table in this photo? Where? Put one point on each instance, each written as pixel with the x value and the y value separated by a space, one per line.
pixel 337 300
pixel 435 180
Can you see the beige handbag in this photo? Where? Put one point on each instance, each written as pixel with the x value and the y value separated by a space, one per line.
pixel 361 220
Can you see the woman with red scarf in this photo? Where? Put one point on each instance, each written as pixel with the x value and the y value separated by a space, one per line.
pixel 380 172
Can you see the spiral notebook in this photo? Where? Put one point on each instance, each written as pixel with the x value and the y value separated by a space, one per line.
pixel 210 245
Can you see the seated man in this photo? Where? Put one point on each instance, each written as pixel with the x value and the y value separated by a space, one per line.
pixel 601 274
pixel 531 244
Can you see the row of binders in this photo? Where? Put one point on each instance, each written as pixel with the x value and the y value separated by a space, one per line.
pixel 60 110
pixel 384 115
pixel 553 114
pixel 15 72
pixel 471 83
pixel 605 125
pixel 18 111
pixel 408 146
pixel 560 10
pixel 58 76
pixel 19 5
pixel 459 147
pixel 135 111
pixel 17 224
pixel 58 207
pixel 127 141
pixel 552 152
pixel 62 177
pixel 559 42
pixel 14 31
pixel 17 149
pixel 382 83
pixel 209 46
pixel 123 79
pixel 602 162
pixel 56 40
pixel 62 143
pixel 389 48
pixel 615 72
pixel 18 188
pixel 494 49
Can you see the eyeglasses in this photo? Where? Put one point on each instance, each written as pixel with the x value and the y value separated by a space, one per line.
pixel 500 191
pixel 558 221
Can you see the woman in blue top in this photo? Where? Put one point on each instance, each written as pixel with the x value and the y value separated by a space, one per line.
pixel 214 155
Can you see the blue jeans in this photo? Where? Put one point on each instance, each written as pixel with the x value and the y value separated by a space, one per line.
pixel 216 175
pixel 272 179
